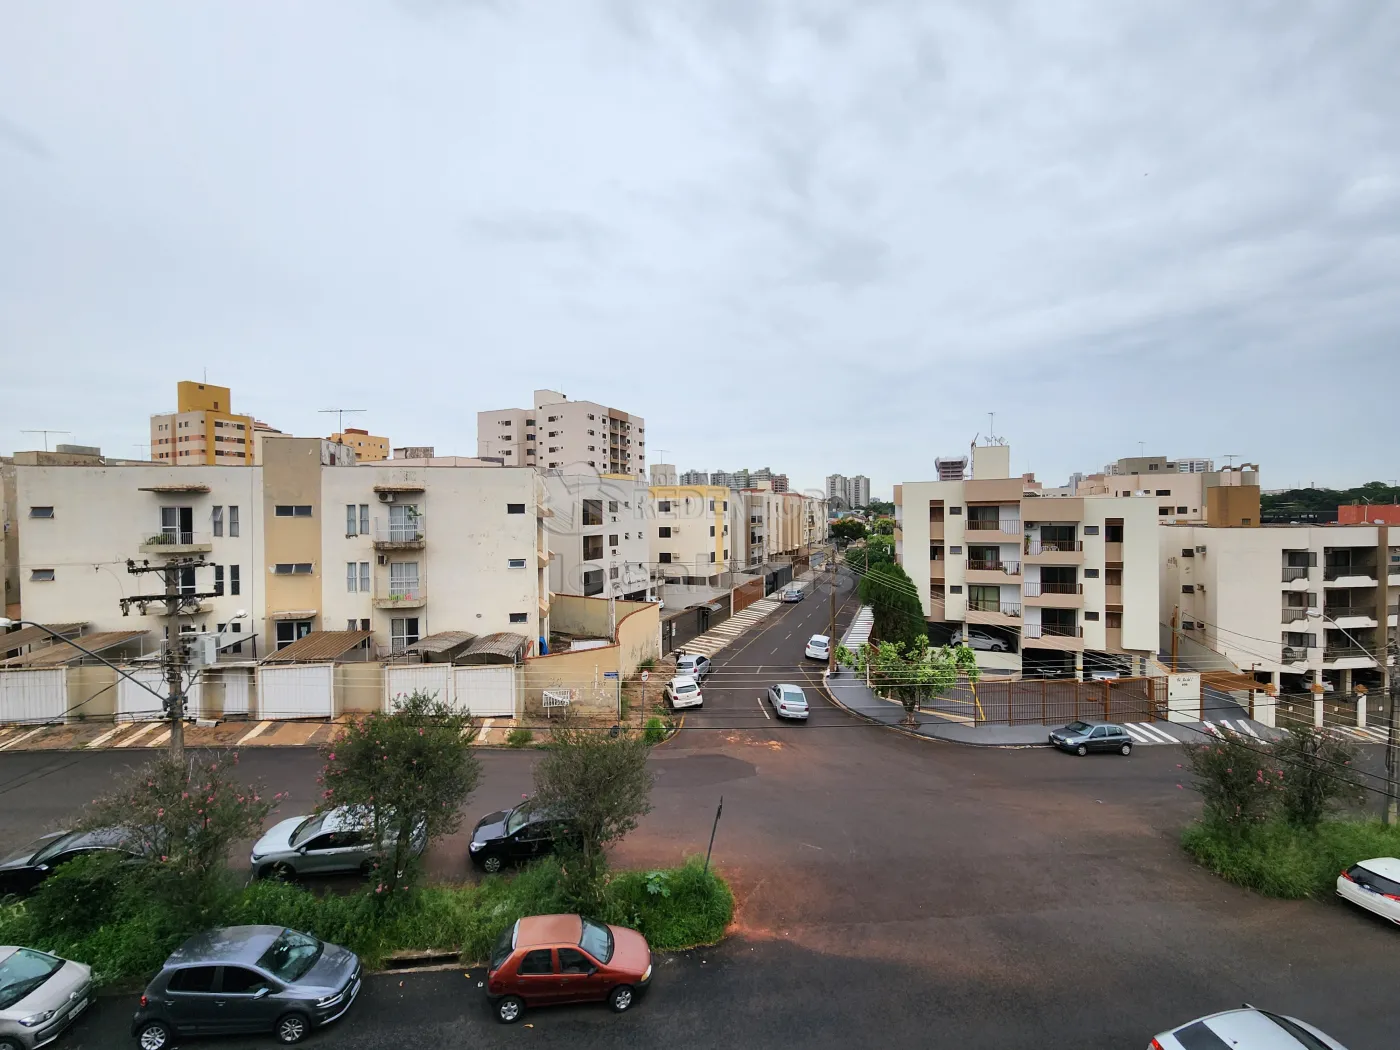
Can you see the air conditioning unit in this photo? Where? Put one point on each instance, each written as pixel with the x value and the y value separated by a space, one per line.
pixel 1032 524
pixel 1200 550
pixel 386 497
pixel 384 559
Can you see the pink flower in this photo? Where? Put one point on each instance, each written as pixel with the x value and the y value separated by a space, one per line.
pixel 331 756
pixel 184 794
pixel 160 812
pixel 163 859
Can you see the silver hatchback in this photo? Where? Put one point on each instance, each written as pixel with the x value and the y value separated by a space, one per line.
pixel 330 843
pixel 40 995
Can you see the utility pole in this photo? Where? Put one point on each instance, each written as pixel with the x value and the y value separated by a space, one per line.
pixel 831 638
pixel 1175 613
pixel 1392 733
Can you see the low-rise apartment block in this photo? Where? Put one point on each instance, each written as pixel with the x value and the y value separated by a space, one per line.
pixel 1184 489
pixel 559 434
pixel 1054 583
pixel 203 430
pixel 1295 604
pixel 367 446
pixel 690 531
pixel 597 531
pixel 772 524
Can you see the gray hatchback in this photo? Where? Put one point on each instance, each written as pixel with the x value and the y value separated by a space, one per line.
pixel 1083 737
pixel 247 979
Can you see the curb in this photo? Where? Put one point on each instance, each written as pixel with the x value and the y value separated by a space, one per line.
pixel 906 731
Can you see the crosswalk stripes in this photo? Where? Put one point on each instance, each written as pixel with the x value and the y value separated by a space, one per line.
pixel 713 641
pixel 1146 733
pixel 1367 735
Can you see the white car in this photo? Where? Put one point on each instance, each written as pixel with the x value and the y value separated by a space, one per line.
pixel 684 691
pixel 1375 885
pixel 818 647
pixel 975 639
pixel 1246 1029
pixel 788 701
pixel 692 666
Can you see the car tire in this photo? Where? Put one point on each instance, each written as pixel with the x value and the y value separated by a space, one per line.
pixel 1126 749
pixel 9 1044
pixel 509 1009
pixel 280 872
pixel 998 648
pixel 621 998
pixel 1081 750
pixel 291 1028
pixel 492 863
pixel 155 1035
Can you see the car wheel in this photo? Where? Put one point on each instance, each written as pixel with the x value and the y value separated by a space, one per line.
pixel 1126 749
pixel 1081 750
pixel 509 1009
pixel 621 998
pixel 492 864
pixel 154 1035
pixel 280 872
pixel 6 1044
pixel 998 648
pixel 291 1028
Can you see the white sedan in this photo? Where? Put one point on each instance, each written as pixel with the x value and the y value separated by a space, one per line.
pixel 818 647
pixel 1375 885
pixel 788 701
pixel 684 691
pixel 1246 1029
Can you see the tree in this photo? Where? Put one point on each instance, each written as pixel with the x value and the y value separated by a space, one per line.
pixel 404 776
pixel 1238 781
pixel 916 675
pixel 848 529
pixel 602 785
pixel 880 508
pixel 1318 774
pixel 883 526
pixel 899 615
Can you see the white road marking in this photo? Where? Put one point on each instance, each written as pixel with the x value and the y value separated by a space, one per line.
pixel 157 740
pixel 139 734
pixel 1249 728
pixel 1160 735
pixel 1135 731
pixel 261 727
pixel 481 736
pixel 98 741
pixel 21 738
pixel 763 709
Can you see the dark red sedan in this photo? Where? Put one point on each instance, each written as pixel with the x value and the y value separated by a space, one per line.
pixel 547 959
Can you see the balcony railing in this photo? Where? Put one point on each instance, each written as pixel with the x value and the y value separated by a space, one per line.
pixel 1337 572
pixel 1053 546
pixel 400 594
pixel 1294 572
pixel 1034 589
pixel 175 541
pixel 1011 568
pixel 1293 654
pixel 990 605
pixel 1342 612
pixel 1294 614
pixel 1344 652
pixel 1053 630
pixel 1010 526
pixel 400 533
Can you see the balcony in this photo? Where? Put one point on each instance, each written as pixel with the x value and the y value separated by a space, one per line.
pixel 405 594
pixel 1113 594
pixel 1349 575
pixel 992 571
pixel 1293 654
pixel 176 541
pixel 1008 527
pixel 937 570
pixel 1294 614
pixel 1054 636
pixel 1054 552
pixel 399 536
pixel 1004 614
pixel 1351 615
pixel 1345 656
pixel 1113 552
pixel 1053 595
pixel 935 528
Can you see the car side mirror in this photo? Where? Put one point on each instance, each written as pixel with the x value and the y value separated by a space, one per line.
pixel 41 867
pixel 301 850
pixel 262 993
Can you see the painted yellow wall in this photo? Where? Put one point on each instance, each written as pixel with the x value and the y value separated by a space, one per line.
pixel 291 475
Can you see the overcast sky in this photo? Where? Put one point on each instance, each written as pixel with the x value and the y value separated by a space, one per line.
pixel 819 235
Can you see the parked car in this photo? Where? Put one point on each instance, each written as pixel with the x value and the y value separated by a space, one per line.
pixel 1373 884
pixel 40 996
pixel 792 595
pixel 1083 737
pixel 1246 1029
pixel 818 648
pixel 23 870
pixel 788 701
pixel 542 960
pixel 247 979
pixel 329 843
pixel 684 691
pixel 513 836
pixel 975 639
pixel 693 666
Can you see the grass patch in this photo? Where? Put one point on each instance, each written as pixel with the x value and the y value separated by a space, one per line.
pixel 1278 860
pixel 655 731
pixel 519 737
pixel 674 908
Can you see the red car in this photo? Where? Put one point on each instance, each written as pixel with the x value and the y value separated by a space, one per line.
pixel 547 959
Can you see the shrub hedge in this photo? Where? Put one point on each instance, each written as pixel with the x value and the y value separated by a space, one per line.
pixel 1279 860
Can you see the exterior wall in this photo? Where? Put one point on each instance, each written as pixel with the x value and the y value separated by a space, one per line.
pixel 583 436
pixel 638 626
pixel 292 476
pixel 991 461
pixel 367 446
pixel 102 516
pixel 1232 505
pixel 691 549
pixel 584 673
pixel 626 517
pixel 9 541
pixel 1141 580
pixel 359 687
pixel 1362 514
pixel 505 433
pixel 92 692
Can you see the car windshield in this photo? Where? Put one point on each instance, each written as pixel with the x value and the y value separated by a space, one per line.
pixel 687 687
pixel 308 829
pixel 597 941
pixel 23 972
pixel 518 818
pixel 818 640
pixel 54 848
pixel 291 955
pixel 1078 727
pixel 504 944
pixel 794 696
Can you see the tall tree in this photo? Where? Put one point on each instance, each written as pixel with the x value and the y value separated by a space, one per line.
pixel 899 615
pixel 848 529
pixel 913 675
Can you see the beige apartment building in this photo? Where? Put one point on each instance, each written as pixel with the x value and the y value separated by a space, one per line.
pixel 203 430
pixel 1059 582
pixel 689 533
pixel 598 535
pixel 1294 604
pixel 1182 488
pixel 367 446
pixel 307 541
pixel 559 434
pixel 771 524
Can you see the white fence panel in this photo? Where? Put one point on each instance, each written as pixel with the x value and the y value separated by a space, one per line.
pixel 135 704
pixel 298 691
pixel 33 696
pixel 485 692
pixel 236 689
pixel 433 679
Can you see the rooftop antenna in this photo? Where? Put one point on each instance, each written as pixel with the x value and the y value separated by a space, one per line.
pixel 1231 456
pixel 46 434
pixel 1142 449
pixel 340 416
pixel 146 447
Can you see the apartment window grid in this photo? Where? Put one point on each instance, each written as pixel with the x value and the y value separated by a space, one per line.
pixel 233 522
pixel 218 520
pixel 235 585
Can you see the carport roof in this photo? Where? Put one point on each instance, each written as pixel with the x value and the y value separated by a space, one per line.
pixel 440 642
pixel 30 635
pixel 60 654
pixel 318 647
pixel 502 643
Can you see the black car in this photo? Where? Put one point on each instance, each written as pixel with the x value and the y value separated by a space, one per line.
pixel 23 870
pixel 513 836
pixel 1083 737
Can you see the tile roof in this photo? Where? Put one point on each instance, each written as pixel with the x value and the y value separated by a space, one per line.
pixel 59 654
pixel 318 647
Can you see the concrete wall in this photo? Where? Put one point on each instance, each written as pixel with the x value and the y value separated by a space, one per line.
pixel 92 692
pixel 359 687
pixel 582 617
pixel 292 476
pixel 638 632
pixel 585 672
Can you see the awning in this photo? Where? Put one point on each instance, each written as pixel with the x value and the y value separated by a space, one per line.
pixel 440 642
pixel 503 643
pixel 60 654
pixel 295 614
pixel 30 635
pixel 173 488
pixel 319 647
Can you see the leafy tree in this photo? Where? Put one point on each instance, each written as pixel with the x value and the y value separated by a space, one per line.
pixel 848 529
pixel 1318 774
pixel 601 782
pixel 880 508
pixel 883 526
pixel 405 776
pixel 1239 782
pixel 1303 502
pixel 899 616
pixel 915 675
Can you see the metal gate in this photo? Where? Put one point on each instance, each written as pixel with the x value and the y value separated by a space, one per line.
pixel 298 691
pixel 33 696
pixel 236 691
pixel 485 692
pixel 401 681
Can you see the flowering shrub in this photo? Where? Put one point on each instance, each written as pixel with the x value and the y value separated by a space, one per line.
pixel 1239 782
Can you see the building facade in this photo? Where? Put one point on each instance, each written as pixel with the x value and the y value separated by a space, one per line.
pixel 559 434
pixel 851 492
pixel 367 446
pixel 771 524
pixel 695 477
pixel 1061 582
pixel 203 430
pixel 597 532
pixel 1182 492
pixel 689 533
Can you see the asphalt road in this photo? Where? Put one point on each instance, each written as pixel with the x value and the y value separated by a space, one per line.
pixel 918 893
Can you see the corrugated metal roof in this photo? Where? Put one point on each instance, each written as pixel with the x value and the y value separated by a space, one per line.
pixel 30 635
pixel 59 654
pixel 318 647
pixel 502 643
pixel 440 642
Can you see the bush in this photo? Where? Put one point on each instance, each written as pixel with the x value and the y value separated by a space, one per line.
pixel 684 908
pixel 519 737
pixel 1238 781
pixel 655 731
pixel 1278 859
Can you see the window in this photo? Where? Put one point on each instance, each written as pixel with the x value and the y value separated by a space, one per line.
pixel 536 963
pixel 612 506
pixel 515 508
pixel 954 510
pixel 664 532
pixel 299 510
pixel 234 584
pixel 1188 552
pixel 1300 639
pixel 955 589
pixel 364 624
pixel 1182 510
pixel 519 617
pixel 516 563
pixel 235 628
pixel 1091 574
pixel 218 580
pixel 664 557
pixel 726 554
pixel 726 505
pixel 285 568
pixel 352 577
pixel 592 548
pixel 592 582
pixel 553 433
pixel 403 632
pixel 1114 620
pixel 1091 530
pixel 233 522
pixel 712 506
pixel 663 506
pixel 187 581
pixel 955 549
pixel 352 519
pixel 1091 615
pixel 571 960
pixel 1186 625
pixel 712 530
pixel 238 981
pixel 612 539
pixel 218 519
pixel 1164 492
pixel 350 624
pixel 592 512
pixel 712 557
pixel 403 579
pixel 193 979
pixel 41 575
pixel 612 573
pixel 1164 510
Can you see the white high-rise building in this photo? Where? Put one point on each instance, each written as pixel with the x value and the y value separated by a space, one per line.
pixel 853 492
pixel 559 434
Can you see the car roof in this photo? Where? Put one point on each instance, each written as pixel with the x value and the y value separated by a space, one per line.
pixel 684 679
pixel 1388 867
pixel 226 944
pixel 1248 1027
pixel 819 638
pixel 536 930
pixel 789 685
pixel 100 837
